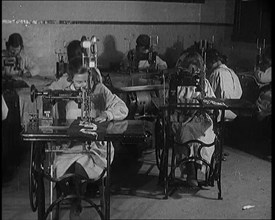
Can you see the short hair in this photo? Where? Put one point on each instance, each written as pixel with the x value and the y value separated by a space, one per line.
pixel 267 56
pixel 143 40
pixel 76 67
pixel 74 50
pixel 15 40
pixel 213 55
pixel 266 60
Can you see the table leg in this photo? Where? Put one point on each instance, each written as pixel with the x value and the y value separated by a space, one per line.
pixel 107 186
pixel 165 157
pixel 40 184
pixel 33 179
pixel 221 154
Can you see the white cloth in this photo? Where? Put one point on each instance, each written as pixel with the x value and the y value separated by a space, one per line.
pixel 194 127
pixel 5 109
pixel 226 85
pixel 93 162
pixel 265 77
pixel 160 64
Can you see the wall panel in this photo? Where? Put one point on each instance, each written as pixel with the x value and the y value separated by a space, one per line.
pixel 46 25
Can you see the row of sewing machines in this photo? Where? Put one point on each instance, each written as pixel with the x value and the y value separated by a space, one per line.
pixel 144 90
pixel 141 93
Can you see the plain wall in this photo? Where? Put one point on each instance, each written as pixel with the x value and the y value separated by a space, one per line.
pixel 116 24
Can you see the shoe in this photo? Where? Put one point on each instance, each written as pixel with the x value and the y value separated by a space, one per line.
pixel 191 174
pixel 92 190
pixel 75 210
pixel 192 182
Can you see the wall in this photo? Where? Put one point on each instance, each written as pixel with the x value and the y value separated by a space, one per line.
pixel 46 26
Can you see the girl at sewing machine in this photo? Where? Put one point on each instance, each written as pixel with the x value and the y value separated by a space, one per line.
pixel 264 79
pixel 224 81
pixel 193 124
pixel 15 62
pixel 138 59
pixel 108 107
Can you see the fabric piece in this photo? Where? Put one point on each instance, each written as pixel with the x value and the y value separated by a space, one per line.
pixel 93 161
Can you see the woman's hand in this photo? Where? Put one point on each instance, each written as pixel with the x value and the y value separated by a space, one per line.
pixel 101 118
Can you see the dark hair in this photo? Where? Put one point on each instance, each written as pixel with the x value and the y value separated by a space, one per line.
pixel 143 40
pixel 267 55
pixel 76 67
pixel 74 50
pixel 193 58
pixel 15 40
pixel 266 60
pixel 213 55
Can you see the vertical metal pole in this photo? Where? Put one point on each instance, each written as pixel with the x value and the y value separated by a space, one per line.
pixel 40 184
pixel 51 173
pixel 221 153
pixel 107 187
pixel 165 155
pixel 163 88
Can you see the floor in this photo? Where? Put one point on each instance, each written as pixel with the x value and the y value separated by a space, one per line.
pixel 246 180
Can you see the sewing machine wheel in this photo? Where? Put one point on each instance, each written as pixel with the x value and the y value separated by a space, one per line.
pixel 132 102
pixel 139 103
pixel 33 184
pixel 143 102
pixel 33 93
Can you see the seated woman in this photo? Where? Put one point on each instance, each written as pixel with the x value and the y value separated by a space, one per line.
pixel 111 107
pixel 74 50
pixel 193 125
pixel 224 81
pixel 138 58
pixel 264 79
pixel 22 65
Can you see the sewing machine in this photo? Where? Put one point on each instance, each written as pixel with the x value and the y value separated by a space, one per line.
pixel 134 57
pixel 183 77
pixel 84 97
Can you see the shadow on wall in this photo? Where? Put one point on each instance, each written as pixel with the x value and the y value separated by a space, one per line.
pixel 172 54
pixel 110 58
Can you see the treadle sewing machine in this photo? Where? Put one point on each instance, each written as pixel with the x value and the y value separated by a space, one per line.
pixel 201 103
pixel 42 131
